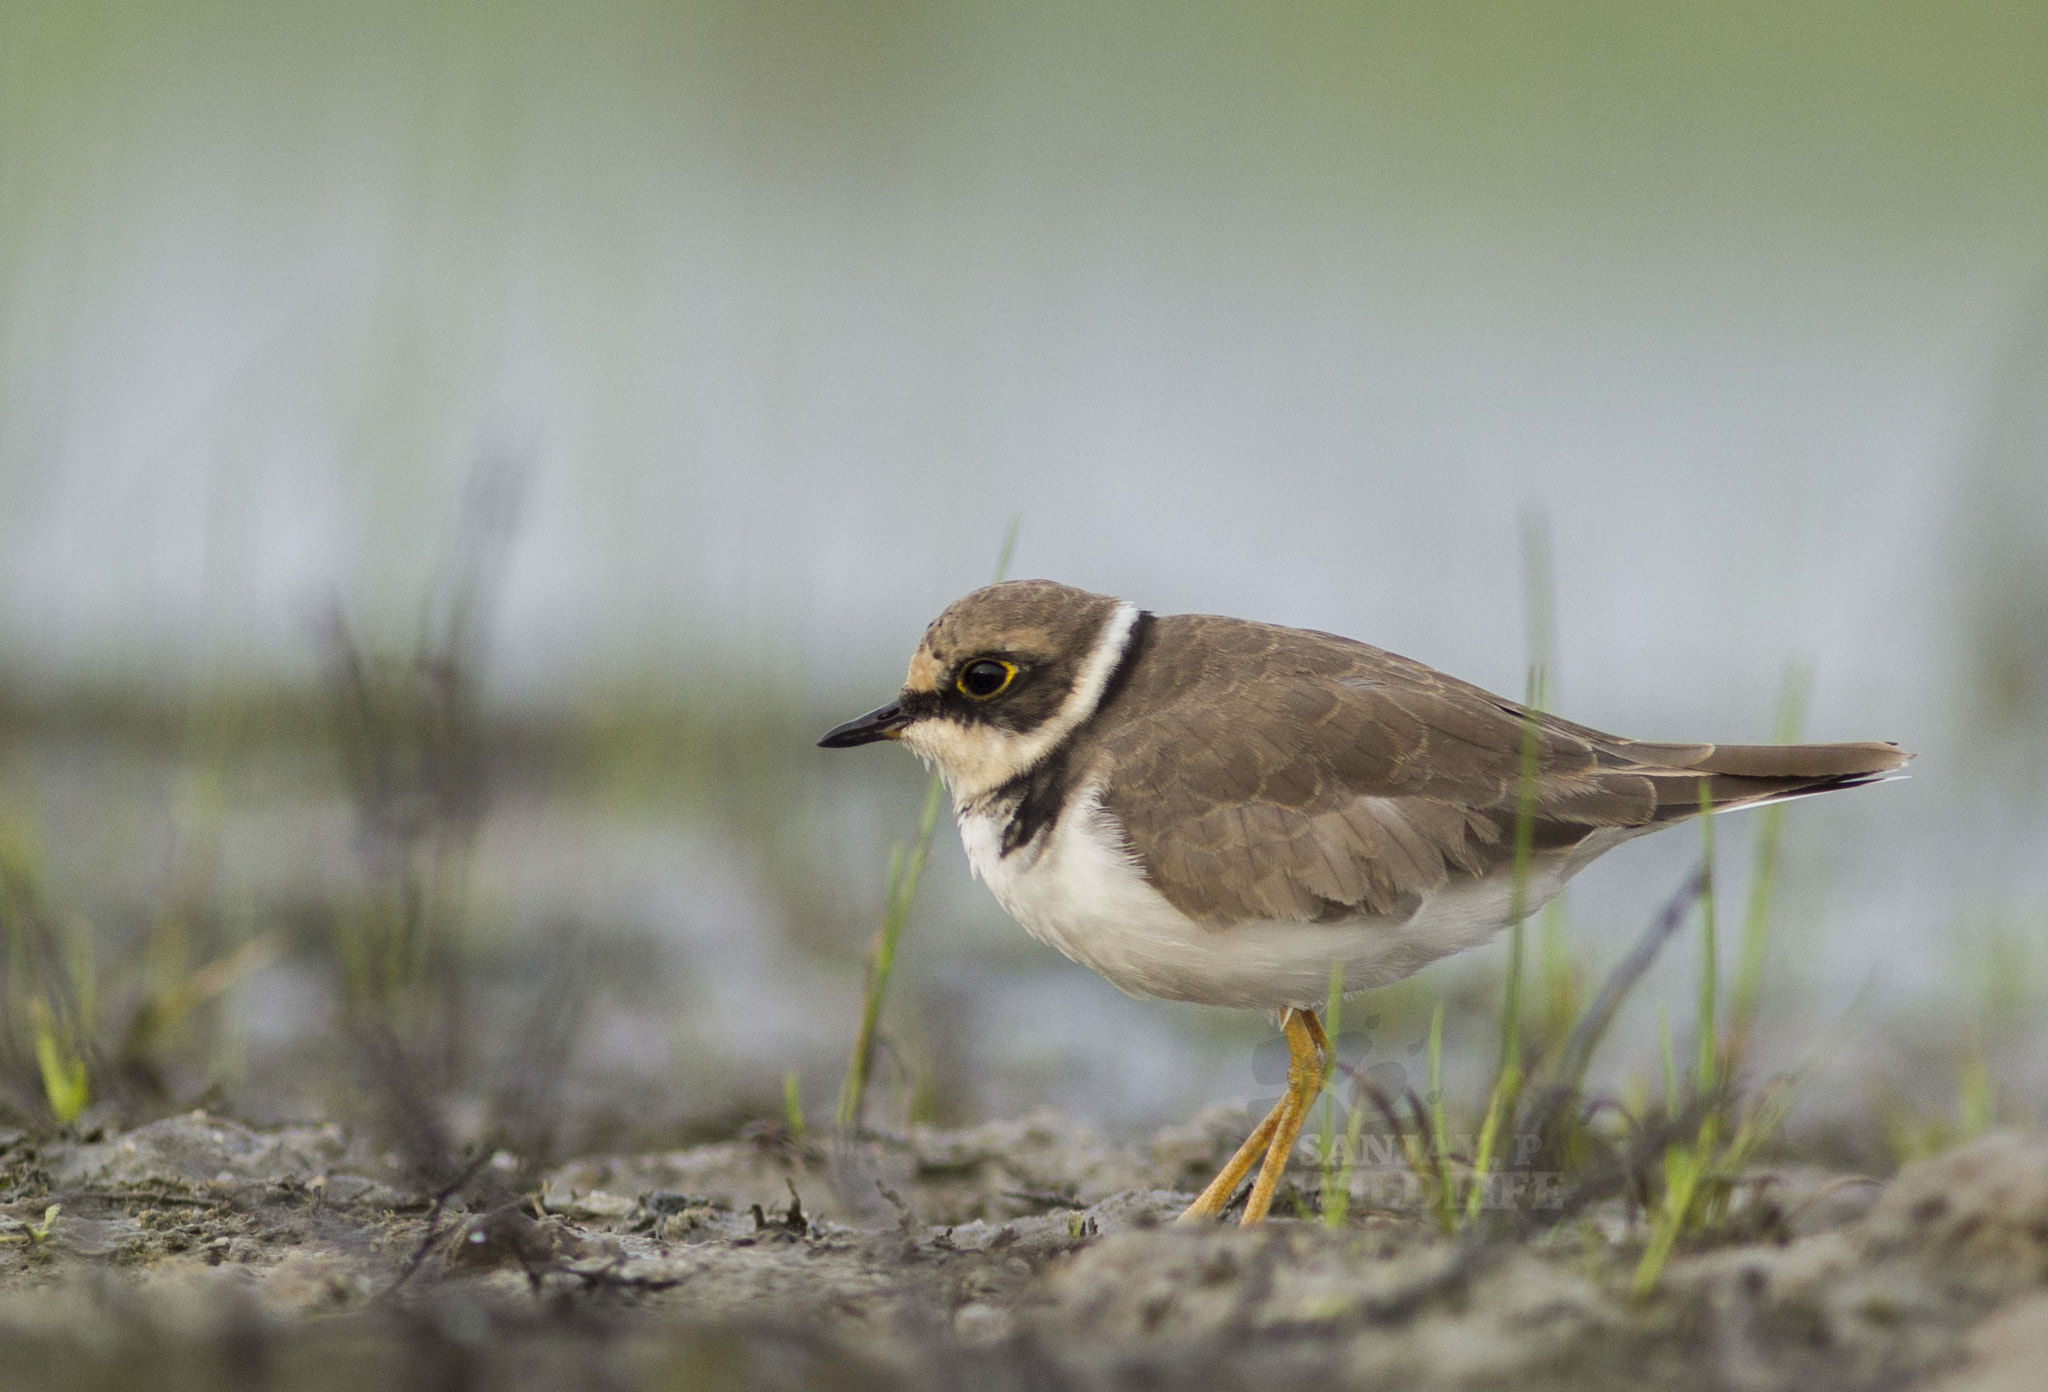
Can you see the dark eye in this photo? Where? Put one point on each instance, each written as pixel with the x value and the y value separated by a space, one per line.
pixel 984 678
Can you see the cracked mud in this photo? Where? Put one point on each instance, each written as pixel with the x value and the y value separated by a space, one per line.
pixel 197 1252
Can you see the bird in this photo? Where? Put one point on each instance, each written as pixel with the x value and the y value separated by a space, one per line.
pixel 1232 813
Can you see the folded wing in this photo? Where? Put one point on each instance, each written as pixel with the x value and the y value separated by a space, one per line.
pixel 1314 778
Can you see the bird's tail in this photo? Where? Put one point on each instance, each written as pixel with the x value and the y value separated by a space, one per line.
pixel 1742 775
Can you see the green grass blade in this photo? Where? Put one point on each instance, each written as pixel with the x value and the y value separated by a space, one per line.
pixel 1504 1098
pixel 1539 605
pixel 1009 546
pixel 904 873
pixel 63 1072
pixel 1681 1182
pixel 1749 970
pixel 1557 979
pixel 1439 1139
pixel 792 1106
pixel 1976 1093
pixel 1337 1202
pixel 1708 1023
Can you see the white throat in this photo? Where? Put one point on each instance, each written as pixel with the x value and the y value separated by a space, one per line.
pixel 978 759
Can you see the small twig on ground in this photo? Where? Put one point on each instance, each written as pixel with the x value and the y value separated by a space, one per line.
pixel 1043 1198
pixel 610 1278
pixel 144 1196
pixel 433 1233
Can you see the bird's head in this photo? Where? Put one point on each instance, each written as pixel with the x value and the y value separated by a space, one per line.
pixel 998 680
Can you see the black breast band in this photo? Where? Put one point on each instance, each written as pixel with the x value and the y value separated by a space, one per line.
pixel 1038 795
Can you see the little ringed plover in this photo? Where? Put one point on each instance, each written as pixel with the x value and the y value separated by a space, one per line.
pixel 1209 809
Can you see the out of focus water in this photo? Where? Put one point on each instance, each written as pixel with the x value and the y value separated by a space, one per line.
pixel 786 310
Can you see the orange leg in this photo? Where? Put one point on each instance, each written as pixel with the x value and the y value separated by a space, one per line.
pixel 1307 1046
pixel 1212 1199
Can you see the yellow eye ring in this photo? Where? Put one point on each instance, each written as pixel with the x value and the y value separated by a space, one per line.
pixel 985 678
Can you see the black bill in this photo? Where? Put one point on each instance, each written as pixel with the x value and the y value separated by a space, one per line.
pixel 866 729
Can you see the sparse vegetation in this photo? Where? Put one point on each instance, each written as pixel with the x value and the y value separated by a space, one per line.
pixel 906 869
pixel 1676 1159
pixel 81 1024
pixel 463 1092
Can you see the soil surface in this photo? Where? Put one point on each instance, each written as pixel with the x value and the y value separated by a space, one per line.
pixel 196 1252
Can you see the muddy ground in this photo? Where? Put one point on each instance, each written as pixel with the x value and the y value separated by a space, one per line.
pixel 196 1252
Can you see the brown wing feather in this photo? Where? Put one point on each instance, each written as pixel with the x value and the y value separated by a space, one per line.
pixel 1314 778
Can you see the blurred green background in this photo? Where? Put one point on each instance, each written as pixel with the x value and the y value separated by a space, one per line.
pixel 765 319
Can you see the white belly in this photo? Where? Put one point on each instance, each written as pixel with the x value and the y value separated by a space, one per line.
pixel 1079 891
